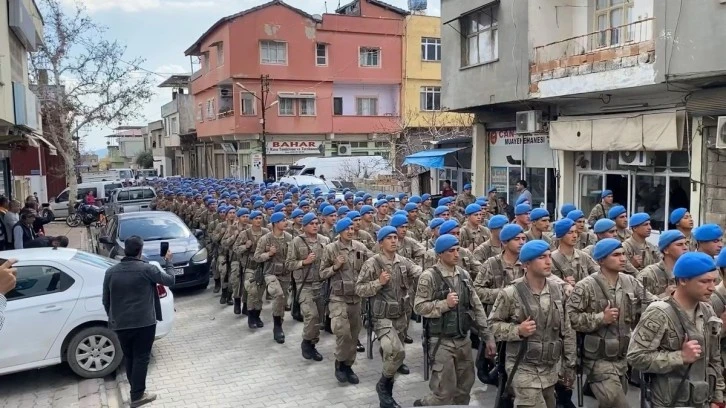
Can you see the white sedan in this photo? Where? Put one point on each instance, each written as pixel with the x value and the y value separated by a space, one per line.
pixel 55 314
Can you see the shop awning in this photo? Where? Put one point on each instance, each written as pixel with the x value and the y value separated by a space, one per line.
pixel 650 131
pixel 433 158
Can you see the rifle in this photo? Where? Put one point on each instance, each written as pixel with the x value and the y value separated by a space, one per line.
pixel 580 345
pixel 646 393
pixel 369 329
pixel 503 399
pixel 425 343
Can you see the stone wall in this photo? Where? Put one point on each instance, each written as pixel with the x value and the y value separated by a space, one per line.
pixel 714 195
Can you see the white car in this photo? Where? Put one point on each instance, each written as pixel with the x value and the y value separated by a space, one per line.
pixel 55 314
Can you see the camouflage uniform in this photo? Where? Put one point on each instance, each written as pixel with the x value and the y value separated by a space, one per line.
pixel 623 234
pixel 690 242
pixel 579 265
pixel 425 214
pixel 586 239
pixel 328 231
pixel 553 342
pixel 378 219
pixel 648 252
pixel 225 248
pixel 656 278
pixel 544 237
pixel 467 261
pixel 365 238
pixel 211 225
pixel 600 210
pixel 487 250
pixel 416 229
pixel 344 302
pixel 199 215
pixel 372 229
pixel 294 229
pixel 452 374
pixel 388 304
pixel 217 236
pixel 655 348
pixel 253 290
pixel 413 251
pixel 494 276
pixel 718 301
pixel 605 345
pixel 471 237
pixel 464 199
pixel 308 281
pixel 277 277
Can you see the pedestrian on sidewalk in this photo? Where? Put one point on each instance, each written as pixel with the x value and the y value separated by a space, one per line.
pixel 7 284
pixel 133 308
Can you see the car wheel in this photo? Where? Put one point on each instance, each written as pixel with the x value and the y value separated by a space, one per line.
pixel 94 352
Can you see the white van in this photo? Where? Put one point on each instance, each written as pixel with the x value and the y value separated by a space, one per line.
pixel 102 190
pixel 341 167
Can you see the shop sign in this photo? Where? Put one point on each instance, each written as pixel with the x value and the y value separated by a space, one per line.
pixel 510 137
pixel 308 147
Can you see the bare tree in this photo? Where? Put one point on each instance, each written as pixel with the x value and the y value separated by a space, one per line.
pixel 83 81
pixel 358 168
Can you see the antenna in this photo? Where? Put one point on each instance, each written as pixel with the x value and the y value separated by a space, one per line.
pixel 326 7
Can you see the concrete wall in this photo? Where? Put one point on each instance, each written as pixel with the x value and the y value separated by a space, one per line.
pixel 505 79
pixel 7 113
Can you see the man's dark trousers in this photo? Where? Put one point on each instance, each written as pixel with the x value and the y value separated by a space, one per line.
pixel 136 345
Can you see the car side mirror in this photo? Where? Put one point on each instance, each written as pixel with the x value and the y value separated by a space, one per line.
pixel 105 240
pixel 199 233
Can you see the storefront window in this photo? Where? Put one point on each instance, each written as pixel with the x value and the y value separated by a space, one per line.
pixel 514 175
pixel 650 194
pixel 500 181
pixel 660 161
pixel 679 161
pixel 679 196
pixel 536 182
pixel 612 161
pixel 596 160
pixel 590 189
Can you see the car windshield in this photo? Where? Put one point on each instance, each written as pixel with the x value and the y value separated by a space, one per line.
pixel 322 185
pixel 94 260
pixel 125 174
pixel 152 228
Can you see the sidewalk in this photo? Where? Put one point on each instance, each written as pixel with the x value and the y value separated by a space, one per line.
pixel 76 236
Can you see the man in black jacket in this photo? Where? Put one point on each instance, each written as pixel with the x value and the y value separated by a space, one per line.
pixel 133 308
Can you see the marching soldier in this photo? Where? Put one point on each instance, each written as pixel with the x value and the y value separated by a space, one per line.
pixel 473 233
pixel 425 212
pixel 658 278
pixel 620 216
pixel 222 265
pixel 529 317
pixel 235 292
pixel 416 227
pixel 330 217
pixel 446 297
pixel 682 220
pixel 465 197
pixel 410 249
pixel 271 251
pixel 244 279
pixel 676 341
pixel 381 217
pixel 225 250
pixel 718 300
pixel 640 253
pixel 501 270
pixel 709 239
pixel 568 262
pixel 304 260
pixel 603 308
pixel 367 224
pixel 492 246
pixel 521 215
pixel 600 210
pixel 466 258
pixel 295 227
pixel 585 238
pixel 359 234
pixel 208 224
pixel 603 228
pixel 382 279
pixel 540 226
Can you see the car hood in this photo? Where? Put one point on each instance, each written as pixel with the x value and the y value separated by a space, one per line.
pixel 182 249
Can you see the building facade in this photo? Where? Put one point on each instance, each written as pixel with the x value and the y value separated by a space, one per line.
pixel 125 145
pixel 591 96
pixel 278 84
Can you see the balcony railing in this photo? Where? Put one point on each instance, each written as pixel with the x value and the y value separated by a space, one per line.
pixel 614 37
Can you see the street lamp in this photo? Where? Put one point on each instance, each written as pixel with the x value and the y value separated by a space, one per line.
pixel 263 100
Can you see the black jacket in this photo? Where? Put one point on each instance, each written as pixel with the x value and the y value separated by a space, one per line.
pixel 129 293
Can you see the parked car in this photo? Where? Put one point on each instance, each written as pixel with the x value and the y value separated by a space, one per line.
pixel 130 199
pixel 55 314
pixel 101 189
pixel 191 266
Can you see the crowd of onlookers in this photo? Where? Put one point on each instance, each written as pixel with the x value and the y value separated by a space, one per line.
pixel 22 225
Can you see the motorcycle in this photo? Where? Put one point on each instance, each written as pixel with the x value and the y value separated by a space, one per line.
pixel 86 214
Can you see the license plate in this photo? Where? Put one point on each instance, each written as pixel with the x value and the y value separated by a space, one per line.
pixel 178 271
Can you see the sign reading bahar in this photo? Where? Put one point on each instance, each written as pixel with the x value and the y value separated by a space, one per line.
pixel 304 147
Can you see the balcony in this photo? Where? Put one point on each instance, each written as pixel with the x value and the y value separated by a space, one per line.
pixel 170 108
pixel 26 105
pixel 26 24
pixel 628 47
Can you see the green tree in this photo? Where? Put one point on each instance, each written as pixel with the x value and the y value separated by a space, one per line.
pixel 145 160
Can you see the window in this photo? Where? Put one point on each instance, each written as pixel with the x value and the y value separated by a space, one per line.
pixel 383 145
pixel 200 112
pixel 220 54
pixel 273 52
pixel 247 104
pixel 174 125
pixel 307 104
pixel 321 54
pixel 367 106
pixel 431 98
pixel 370 57
pixel 358 145
pixel 37 280
pixel 62 197
pixel 153 229
pixel 610 17
pixel 431 49
pixel 205 61
pixel 286 107
pixel 481 40
pixel 337 105
pixel 210 109
pixel 108 188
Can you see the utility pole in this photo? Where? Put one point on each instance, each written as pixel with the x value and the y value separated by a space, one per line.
pixel 265 86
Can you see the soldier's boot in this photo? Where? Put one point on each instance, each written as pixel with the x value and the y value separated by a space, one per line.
pixel 258 321
pixel 340 373
pixel 229 297
pixel 403 369
pixel 407 339
pixel 223 297
pixel 244 308
pixel 316 356
pixel 251 319
pixel 237 306
pixel 390 392
pixel 217 285
pixel 385 395
pixel 352 377
pixel 277 332
pixel 418 403
pixel 359 347
pixel 328 327
pixel 563 396
pixel 307 349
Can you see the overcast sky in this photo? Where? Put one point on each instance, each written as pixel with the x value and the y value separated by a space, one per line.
pixel 160 31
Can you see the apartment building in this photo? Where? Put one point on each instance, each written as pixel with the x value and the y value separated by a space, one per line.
pixel 580 96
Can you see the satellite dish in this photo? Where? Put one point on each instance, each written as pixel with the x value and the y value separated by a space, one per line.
pixel 317 17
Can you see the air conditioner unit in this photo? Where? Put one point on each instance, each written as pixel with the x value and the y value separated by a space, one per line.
pixel 225 92
pixel 721 133
pixel 344 150
pixel 639 158
pixel 229 148
pixel 529 121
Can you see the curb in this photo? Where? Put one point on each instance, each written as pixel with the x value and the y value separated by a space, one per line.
pixel 123 389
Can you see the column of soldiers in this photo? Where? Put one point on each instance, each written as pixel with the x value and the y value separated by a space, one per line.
pixel 562 306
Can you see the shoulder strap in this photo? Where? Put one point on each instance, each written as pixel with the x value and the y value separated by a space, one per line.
pixel 523 292
pixel 675 314
pixel 603 288
pixel 721 298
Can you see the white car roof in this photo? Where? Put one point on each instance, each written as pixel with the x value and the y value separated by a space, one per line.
pixel 42 254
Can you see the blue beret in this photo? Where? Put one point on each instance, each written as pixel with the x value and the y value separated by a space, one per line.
pixel 440 210
pixel 538 213
pixel 384 232
pixel 721 259
pixel 231 209
pixel 668 238
pixel 288 196
pixel 603 225
pixel 604 248
pixel 566 208
pixel 243 211
pixel 277 217
pixel 472 209
pixel 482 202
pixel 606 193
pixel 329 210
pixel 638 219
pixel 279 207
pixel 294 190
pixel 615 212
pixel 380 202
pixel 692 264
pixel 445 242
pixel 234 197
pixel 269 204
pixel 222 209
pixel 255 214
pixel 353 215
pixel 297 213
pixel 401 212
pixel 358 200
pixel 308 218
pixel 707 232
pixel 415 199
pixel 510 231
pixel 348 195
pixel 435 223
pixel 304 203
pixel 448 226
pixel 410 207
pixel 366 209
pixel 322 206
pixel 445 201
pixel 398 220
pixel 575 215
pixel 381 196
pixel 491 189
pixel 343 210
pixel 533 250
pixel 258 204
pixel 563 226
pixel 467 186
pixel 497 221
pixel 343 225
pixel 521 200
pixel 331 196
pixel 522 209
pixel 677 215
pixel 425 197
